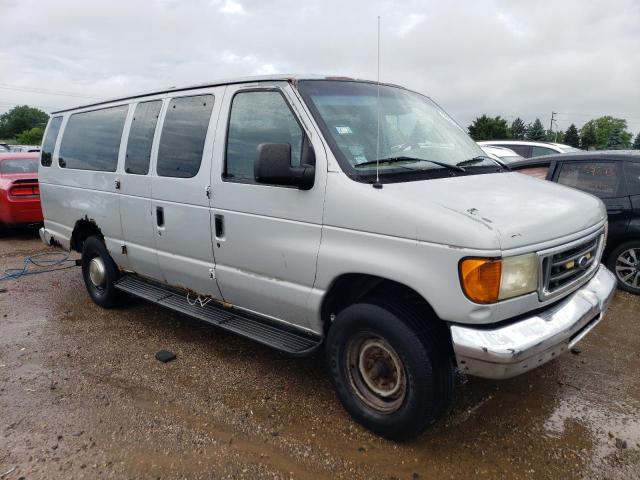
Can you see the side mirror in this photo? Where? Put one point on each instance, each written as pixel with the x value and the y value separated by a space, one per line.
pixel 273 166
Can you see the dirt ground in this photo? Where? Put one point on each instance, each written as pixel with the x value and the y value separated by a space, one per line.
pixel 82 396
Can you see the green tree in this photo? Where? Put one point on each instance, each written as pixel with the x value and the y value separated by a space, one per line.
pixel 552 136
pixel 636 144
pixel 588 136
pixel 518 129
pixel 571 137
pixel 536 131
pixel 615 138
pixel 32 136
pixel 489 128
pixel 604 126
pixel 19 119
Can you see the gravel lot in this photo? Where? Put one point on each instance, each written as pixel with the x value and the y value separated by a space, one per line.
pixel 82 396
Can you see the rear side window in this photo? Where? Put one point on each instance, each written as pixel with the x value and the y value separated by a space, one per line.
pixel 632 171
pixel 183 135
pixel 143 126
pixel 91 140
pixel 598 178
pixel 540 151
pixel 19 165
pixel 258 117
pixel 522 150
pixel 49 142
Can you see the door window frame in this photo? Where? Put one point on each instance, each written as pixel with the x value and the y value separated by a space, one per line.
pixel 305 134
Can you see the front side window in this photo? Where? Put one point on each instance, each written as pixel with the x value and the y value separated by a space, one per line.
pixel 19 165
pixel 183 136
pixel 258 117
pixel 49 142
pixel 598 178
pixel 143 126
pixel 91 140
pixel 408 134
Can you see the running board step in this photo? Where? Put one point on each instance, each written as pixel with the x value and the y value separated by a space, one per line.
pixel 261 330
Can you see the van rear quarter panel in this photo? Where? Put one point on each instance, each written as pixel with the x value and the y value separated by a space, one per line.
pixel 69 195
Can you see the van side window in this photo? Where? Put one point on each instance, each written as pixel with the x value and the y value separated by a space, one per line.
pixel 49 142
pixel 598 178
pixel 258 117
pixel 143 126
pixel 183 135
pixel 91 140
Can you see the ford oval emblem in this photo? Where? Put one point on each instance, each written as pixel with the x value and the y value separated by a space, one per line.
pixel 583 262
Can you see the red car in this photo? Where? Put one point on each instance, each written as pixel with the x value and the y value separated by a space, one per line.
pixel 19 190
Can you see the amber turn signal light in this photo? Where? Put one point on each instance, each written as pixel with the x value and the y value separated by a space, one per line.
pixel 480 279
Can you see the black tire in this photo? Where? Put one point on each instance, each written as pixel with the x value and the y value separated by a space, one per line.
pixel 424 352
pixel 105 294
pixel 617 257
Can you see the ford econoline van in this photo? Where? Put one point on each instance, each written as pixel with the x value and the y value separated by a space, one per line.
pixel 325 212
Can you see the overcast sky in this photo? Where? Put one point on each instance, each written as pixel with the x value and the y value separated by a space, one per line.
pixel 510 58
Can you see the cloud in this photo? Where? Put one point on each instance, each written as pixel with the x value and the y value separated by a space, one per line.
pixel 231 7
pixel 498 57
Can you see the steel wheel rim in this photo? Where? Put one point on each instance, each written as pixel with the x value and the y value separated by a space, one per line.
pixel 376 373
pixel 97 273
pixel 628 267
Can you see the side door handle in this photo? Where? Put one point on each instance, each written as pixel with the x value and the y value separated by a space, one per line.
pixel 218 221
pixel 160 217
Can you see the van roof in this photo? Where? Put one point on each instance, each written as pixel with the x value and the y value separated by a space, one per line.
pixel 292 78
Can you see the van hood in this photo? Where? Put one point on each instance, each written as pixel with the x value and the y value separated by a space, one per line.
pixel 498 211
pixel 523 210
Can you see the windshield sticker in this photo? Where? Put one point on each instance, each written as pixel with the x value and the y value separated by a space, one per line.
pixel 357 153
pixel 343 130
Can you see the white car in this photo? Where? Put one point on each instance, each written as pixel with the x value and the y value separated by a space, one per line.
pixel 280 209
pixel 502 154
pixel 528 149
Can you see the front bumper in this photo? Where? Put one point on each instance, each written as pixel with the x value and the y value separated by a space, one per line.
pixel 521 346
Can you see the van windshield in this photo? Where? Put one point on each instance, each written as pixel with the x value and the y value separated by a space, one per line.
pixel 417 139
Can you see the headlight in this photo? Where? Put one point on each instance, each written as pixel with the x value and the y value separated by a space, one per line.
pixel 487 280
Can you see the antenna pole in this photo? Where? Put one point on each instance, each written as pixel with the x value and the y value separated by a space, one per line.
pixel 378 184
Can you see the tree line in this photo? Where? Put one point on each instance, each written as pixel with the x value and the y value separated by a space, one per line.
pixel 602 133
pixel 23 125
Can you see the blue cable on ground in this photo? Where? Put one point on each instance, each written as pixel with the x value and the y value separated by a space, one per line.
pixel 47 261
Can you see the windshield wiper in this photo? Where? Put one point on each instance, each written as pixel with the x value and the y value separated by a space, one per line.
pixel 455 168
pixel 474 160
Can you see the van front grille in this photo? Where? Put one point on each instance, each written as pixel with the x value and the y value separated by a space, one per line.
pixel 566 267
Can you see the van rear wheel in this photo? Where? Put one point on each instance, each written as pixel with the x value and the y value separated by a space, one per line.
pixel 390 368
pixel 100 273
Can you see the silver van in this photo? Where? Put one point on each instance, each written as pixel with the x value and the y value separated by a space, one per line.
pixel 307 212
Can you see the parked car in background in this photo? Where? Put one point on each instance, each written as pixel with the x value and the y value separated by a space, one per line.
pixel 19 190
pixel 24 148
pixel 528 149
pixel 502 154
pixel 4 147
pixel 614 177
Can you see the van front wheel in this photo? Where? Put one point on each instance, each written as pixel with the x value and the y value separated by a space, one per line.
pixel 390 368
pixel 100 273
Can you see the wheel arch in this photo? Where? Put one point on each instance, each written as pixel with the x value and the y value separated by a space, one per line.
pixel 350 288
pixel 83 229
